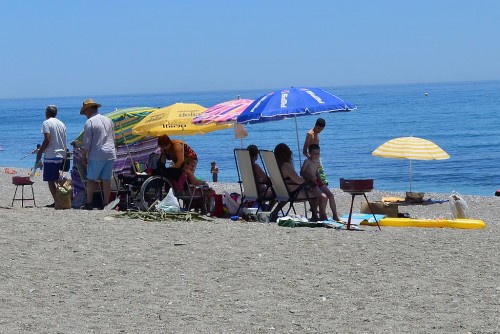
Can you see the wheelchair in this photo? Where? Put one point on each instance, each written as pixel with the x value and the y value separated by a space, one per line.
pixel 153 190
pixel 140 192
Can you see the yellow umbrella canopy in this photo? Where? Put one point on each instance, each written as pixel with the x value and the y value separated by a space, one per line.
pixel 175 119
pixel 411 148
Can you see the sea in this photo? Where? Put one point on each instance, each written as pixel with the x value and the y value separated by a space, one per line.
pixel 461 117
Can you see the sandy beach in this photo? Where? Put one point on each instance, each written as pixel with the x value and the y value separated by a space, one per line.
pixel 73 271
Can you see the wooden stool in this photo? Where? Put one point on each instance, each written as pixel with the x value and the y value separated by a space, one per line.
pixel 23 181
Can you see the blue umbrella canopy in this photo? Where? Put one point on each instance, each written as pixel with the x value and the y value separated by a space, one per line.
pixel 293 102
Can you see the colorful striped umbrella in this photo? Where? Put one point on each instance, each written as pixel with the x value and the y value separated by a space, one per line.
pixel 124 120
pixel 225 112
pixel 411 148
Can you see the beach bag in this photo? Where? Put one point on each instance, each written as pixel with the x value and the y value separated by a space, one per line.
pixel 63 194
pixel 458 207
pixel 218 209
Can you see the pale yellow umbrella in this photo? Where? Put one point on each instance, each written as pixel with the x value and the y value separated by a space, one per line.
pixel 411 148
pixel 175 119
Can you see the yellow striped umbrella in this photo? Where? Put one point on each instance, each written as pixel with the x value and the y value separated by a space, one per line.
pixel 412 148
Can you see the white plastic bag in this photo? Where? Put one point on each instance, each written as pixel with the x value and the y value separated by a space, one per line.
pixel 458 207
pixel 169 203
pixel 231 205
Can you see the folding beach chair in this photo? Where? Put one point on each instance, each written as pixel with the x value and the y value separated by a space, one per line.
pixel 280 189
pixel 186 193
pixel 248 184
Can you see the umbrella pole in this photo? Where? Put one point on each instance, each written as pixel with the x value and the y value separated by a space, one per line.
pixel 300 158
pixel 128 151
pixel 410 175
pixel 182 143
pixel 298 145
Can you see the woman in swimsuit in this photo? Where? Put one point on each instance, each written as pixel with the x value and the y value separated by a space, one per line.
pixel 176 151
pixel 293 181
pixel 262 179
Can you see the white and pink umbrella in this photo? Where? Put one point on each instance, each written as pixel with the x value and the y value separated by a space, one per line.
pixel 224 113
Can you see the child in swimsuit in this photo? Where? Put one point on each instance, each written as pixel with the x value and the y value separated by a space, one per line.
pixel 312 137
pixel 310 172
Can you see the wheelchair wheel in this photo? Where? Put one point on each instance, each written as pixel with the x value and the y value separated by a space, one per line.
pixel 153 189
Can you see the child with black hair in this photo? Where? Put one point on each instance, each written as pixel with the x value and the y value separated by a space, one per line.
pixel 310 172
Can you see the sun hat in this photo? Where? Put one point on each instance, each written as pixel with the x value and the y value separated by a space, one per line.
pixel 87 104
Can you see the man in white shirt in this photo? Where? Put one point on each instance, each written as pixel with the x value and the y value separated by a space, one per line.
pixel 53 149
pixel 99 152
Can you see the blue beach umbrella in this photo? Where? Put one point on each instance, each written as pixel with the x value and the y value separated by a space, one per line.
pixel 291 103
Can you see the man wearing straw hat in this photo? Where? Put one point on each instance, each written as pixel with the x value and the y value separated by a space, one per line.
pixel 99 152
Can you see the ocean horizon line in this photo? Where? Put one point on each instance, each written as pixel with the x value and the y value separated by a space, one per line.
pixel 361 85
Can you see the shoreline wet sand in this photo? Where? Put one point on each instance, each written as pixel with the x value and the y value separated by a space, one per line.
pixel 73 271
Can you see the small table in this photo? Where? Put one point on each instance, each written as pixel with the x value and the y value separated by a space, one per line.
pixel 21 181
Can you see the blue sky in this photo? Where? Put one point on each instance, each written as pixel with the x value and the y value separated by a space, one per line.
pixel 74 48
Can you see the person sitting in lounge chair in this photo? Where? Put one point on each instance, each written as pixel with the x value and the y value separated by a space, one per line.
pixel 262 179
pixel 296 183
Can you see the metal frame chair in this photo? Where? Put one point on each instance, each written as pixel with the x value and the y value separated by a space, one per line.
pixel 186 193
pixel 279 186
pixel 248 184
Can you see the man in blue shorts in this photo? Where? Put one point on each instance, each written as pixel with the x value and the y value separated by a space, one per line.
pixel 99 152
pixel 53 149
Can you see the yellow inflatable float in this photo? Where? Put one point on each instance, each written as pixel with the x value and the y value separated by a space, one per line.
pixel 436 223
